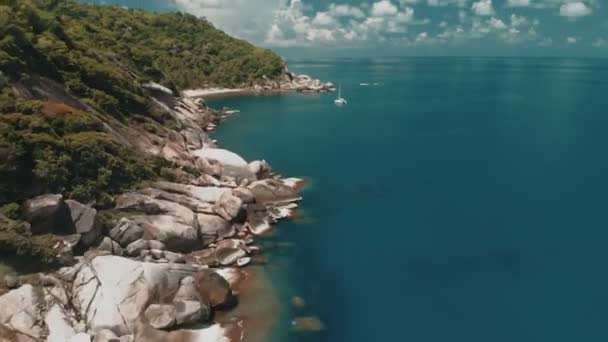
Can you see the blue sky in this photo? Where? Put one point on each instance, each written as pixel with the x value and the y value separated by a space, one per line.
pixel 408 27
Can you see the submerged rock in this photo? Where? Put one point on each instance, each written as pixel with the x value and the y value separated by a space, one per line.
pixel 307 324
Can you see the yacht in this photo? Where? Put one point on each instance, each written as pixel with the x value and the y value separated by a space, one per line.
pixel 340 100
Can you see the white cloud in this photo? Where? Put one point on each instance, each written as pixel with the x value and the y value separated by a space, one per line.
pixel 441 3
pixel 323 19
pixel 574 10
pixel 384 8
pixel 483 8
pixel 345 11
pixel 497 24
pixel 517 20
pixel 234 16
pixel 518 3
pixel 423 36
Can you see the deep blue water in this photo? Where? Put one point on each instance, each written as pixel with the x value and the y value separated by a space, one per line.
pixel 458 200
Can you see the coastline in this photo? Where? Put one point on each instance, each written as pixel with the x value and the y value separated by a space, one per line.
pixel 228 204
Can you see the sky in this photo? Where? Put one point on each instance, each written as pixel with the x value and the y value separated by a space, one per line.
pixel 407 27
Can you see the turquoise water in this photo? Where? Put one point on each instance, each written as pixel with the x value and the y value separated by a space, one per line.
pixel 457 200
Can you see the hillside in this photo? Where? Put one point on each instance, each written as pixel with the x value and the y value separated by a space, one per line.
pixel 72 101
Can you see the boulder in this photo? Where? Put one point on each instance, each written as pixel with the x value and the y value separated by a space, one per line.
pixel 230 207
pixel 190 311
pixel 161 316
pixel 136 247
pixel 204 166
pixel 172 231
pixel 244 194
pixel 260 168
pixel 212 287
pixel 200 193
pixel 111 246
pixel 20 311
pixel 113 292
pixel 47 214
pixel 11 281
pixel 126 231
pixel 59 325
pixel 228 255
pixel 213 227
pixel 273 190
pixel 85 222
pixel 138 202
pixel 204 257
pixel 232 164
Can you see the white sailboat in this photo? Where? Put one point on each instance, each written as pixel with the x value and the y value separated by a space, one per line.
pixel 340 100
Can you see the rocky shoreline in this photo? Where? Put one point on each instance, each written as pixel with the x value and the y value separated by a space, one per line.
pixel 175 247
pixel 289 82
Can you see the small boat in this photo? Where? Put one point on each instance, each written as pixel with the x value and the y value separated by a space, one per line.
pixel 340 100
pixel 364 84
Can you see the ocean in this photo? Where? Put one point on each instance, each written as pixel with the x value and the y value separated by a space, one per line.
pixel 452 199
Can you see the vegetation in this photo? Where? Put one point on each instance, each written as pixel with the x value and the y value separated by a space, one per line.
pixel 16 238
pixel 101 56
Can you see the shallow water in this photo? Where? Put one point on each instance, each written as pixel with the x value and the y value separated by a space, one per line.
pixel 457 200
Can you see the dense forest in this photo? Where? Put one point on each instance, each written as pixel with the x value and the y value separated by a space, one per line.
pixel 100 55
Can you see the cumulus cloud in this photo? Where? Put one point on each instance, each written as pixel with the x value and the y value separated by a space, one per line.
pixel 307 23
pixel 345 11
pixel 574 10
pixel 483 8
pixel 497 24
pixel 229 15
pixel 517 20
pixel 518 3
pixel 384 8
